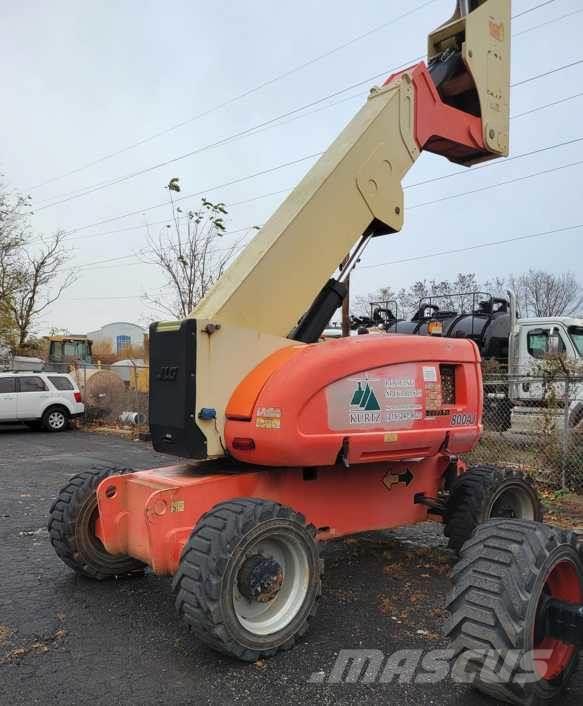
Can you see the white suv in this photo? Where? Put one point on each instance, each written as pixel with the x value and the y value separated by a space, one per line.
pixel 41 400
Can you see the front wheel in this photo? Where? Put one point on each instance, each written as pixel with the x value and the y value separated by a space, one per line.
pixel 497 623
pixel 484 492
pixel 249 578
pixel 55 419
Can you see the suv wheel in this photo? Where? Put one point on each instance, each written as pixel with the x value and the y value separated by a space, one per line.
pixel 55 419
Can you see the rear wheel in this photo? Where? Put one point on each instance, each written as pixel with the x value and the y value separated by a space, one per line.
pixel 72 523
pixel 249 578
pixel 485 492
pixel 55 419
pixel 506 572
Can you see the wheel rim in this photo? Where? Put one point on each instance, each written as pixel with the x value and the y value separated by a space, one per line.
pixel 86 529
pixel 56 420
pixel 512 502
pixel 283 563
pixel 563 583
pixel 87 539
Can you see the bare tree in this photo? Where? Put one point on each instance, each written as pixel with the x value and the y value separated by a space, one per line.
pixel 541 293
pixel 361 305
pixel 14 211
pixel 187 251
pixel 538 293
pixel 37 283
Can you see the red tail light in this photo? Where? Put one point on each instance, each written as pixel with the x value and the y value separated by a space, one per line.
pixel 243 444
pixel 78 397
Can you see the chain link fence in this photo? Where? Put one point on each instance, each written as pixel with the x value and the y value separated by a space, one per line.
pixel 535 423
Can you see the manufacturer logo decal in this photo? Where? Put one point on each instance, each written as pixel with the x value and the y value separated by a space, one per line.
pixel 364 407
pixel 167 373
pixel 365 399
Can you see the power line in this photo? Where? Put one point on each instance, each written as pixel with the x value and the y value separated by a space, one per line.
pixel 478 246
pixel 547 105
pixel 548 73
pixel 102 264
pixel 237 246
pixel 239 180
pixel 494 186
pixel 83 299
pixel 480 167
pixel 277 121
pixel 234 248
pixel 255 129
pixel 292 163
pixel 248 200
pixel 416 258
pixel 142 226
pixel 532 9
pixel 409 186
pixel 548 22
pixel 238 97
pixel 466 171
pixel 267 124
pixel 468 248
pixel 282 166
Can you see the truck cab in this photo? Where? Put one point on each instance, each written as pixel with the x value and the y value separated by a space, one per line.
pixel 67 351
pixel 536 340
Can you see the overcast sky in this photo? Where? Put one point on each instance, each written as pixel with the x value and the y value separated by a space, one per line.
pixel 83 80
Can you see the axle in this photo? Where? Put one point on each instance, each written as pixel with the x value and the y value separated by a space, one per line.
pixel 563 621
pixel 150 515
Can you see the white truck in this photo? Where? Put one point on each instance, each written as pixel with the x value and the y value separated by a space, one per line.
pixel 519 347
pixel 533 341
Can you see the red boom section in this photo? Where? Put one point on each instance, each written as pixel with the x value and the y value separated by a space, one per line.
pixel 150 514
pixel 441 128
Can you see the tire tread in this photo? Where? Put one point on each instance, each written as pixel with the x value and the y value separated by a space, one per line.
pixel 197 584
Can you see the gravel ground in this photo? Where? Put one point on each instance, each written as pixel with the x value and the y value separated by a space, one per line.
pixel 68 640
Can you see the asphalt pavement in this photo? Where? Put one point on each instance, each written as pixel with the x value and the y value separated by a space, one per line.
pixel 68 640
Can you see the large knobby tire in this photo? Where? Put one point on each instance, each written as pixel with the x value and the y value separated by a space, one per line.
pixel 505 572
pixel 249 578
pixel 55 419
pixel 72 528
pixel 485 492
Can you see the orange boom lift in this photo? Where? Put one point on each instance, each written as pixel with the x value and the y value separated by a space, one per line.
pixel 289 441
